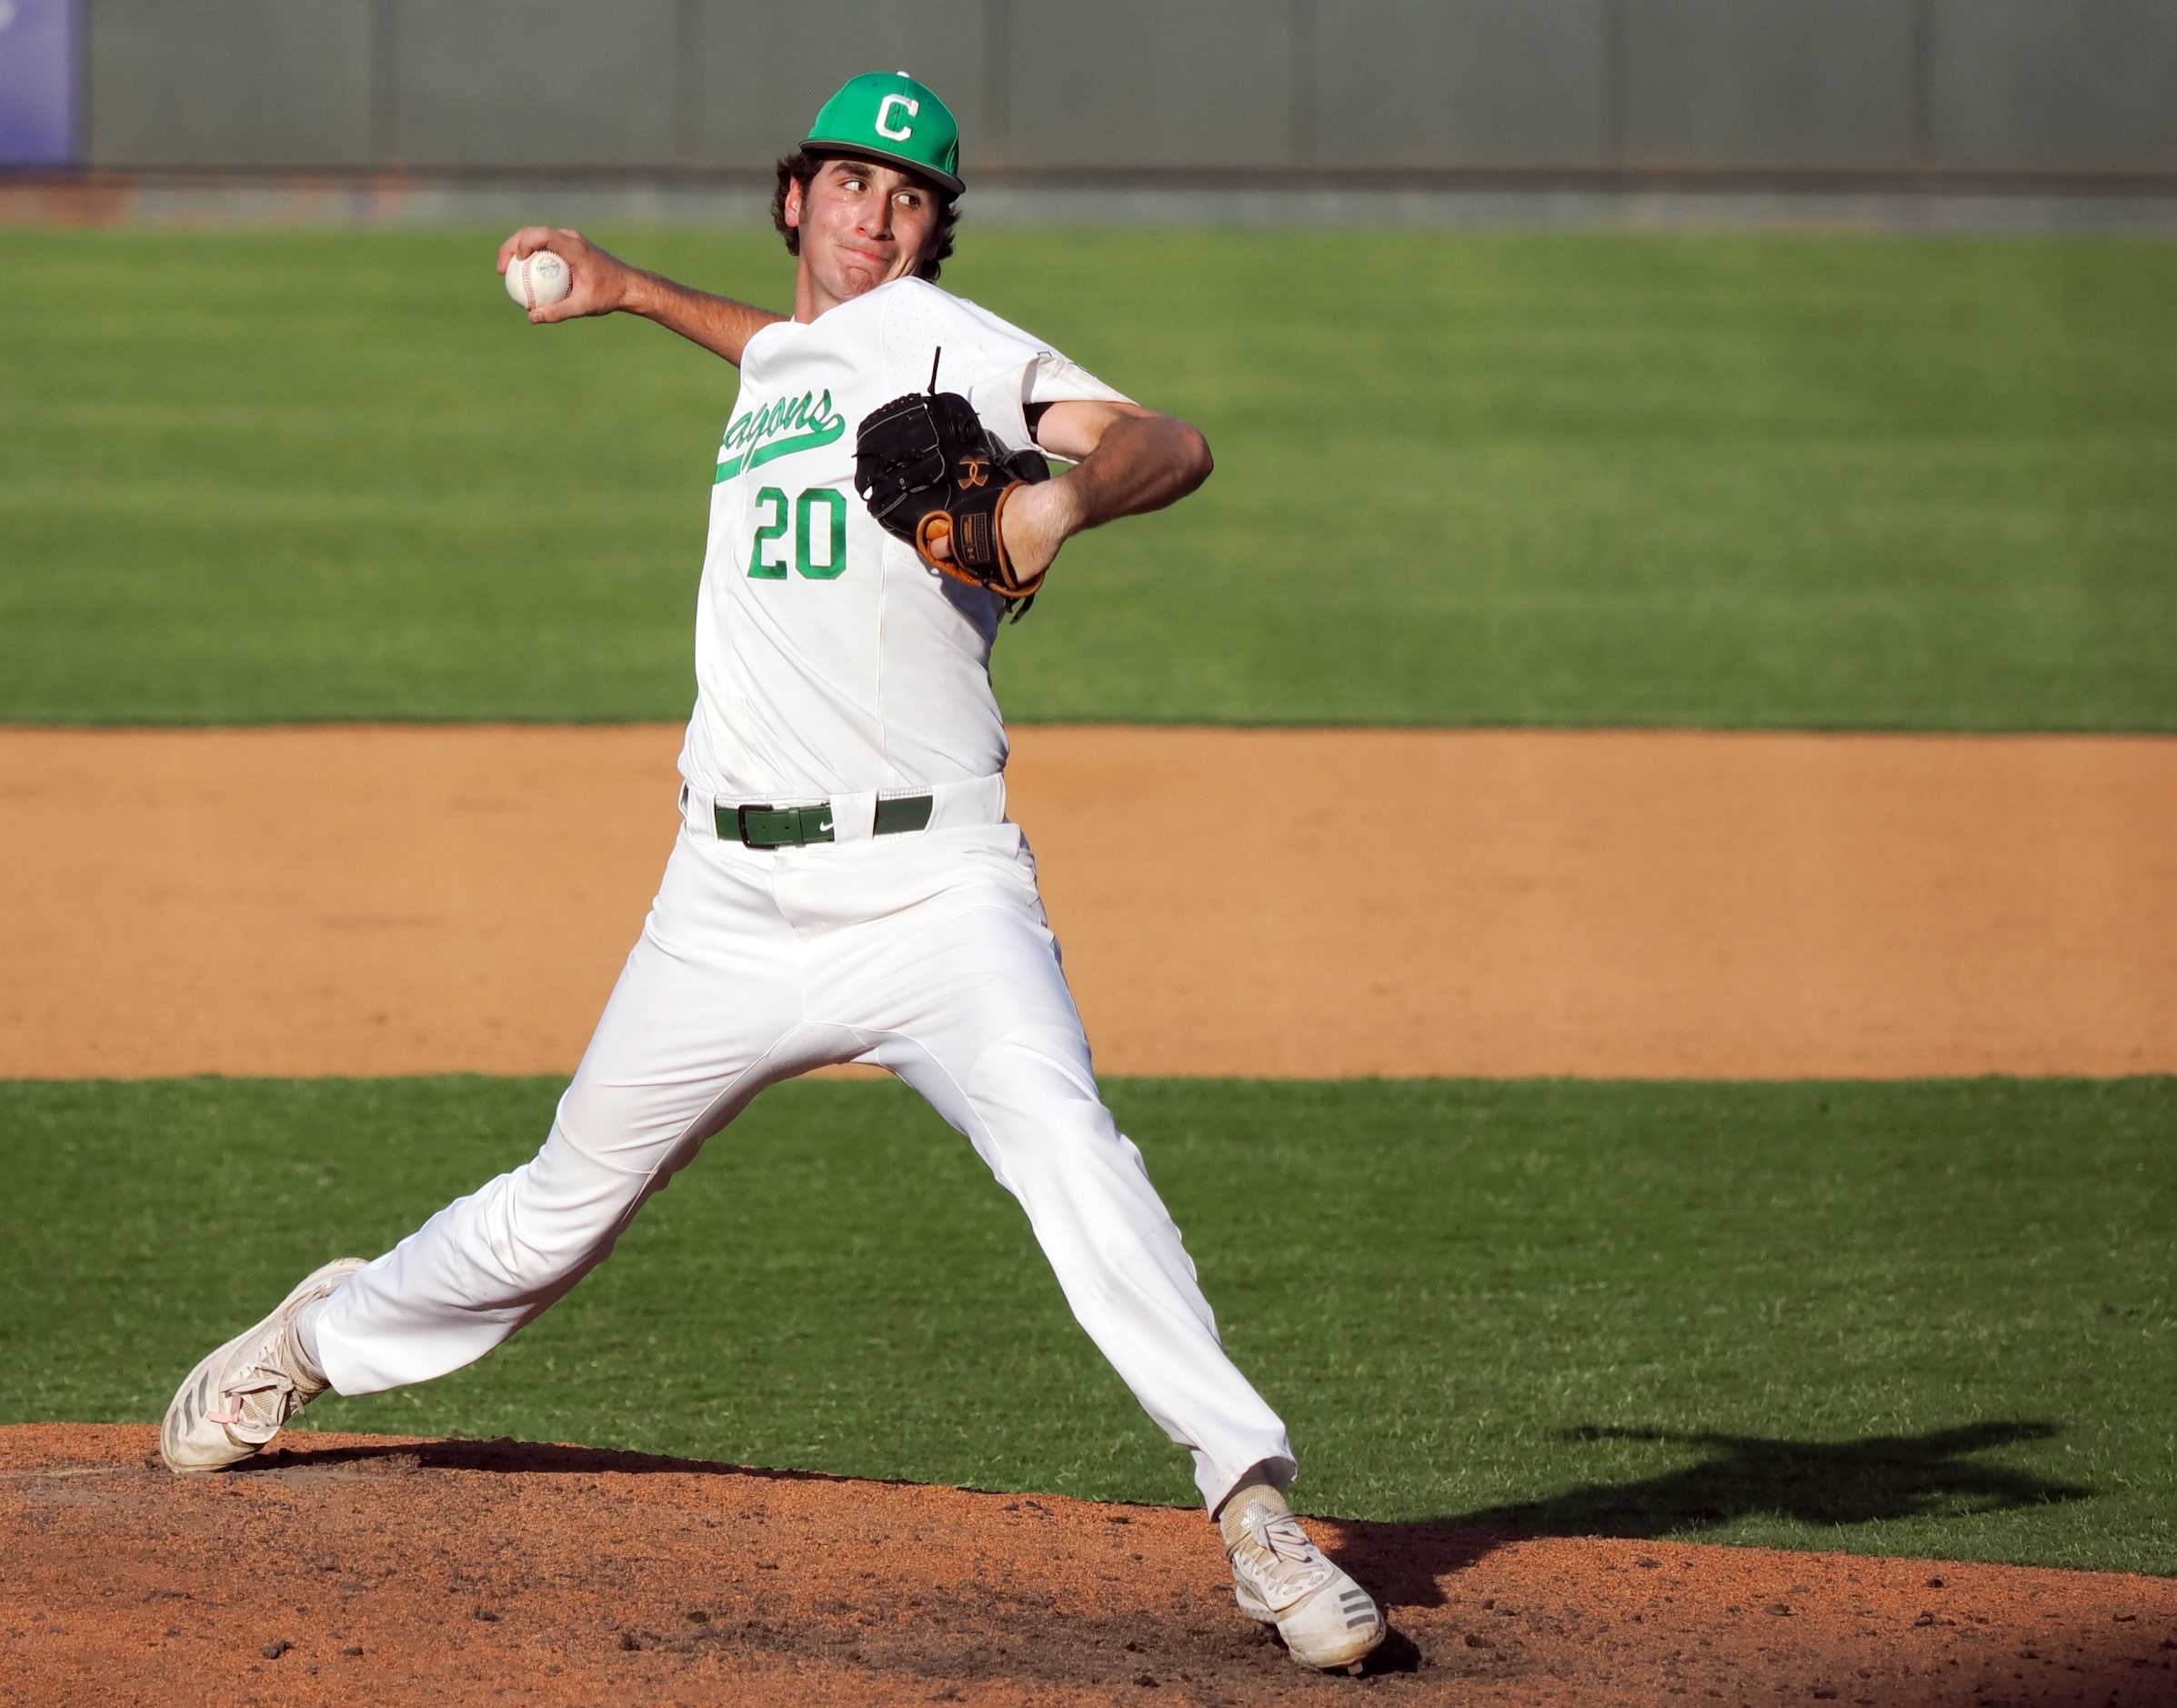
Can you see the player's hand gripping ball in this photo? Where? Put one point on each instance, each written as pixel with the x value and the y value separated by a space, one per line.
pixel 538 280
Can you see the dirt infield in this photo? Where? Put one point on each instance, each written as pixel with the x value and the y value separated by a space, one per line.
pixel 1263 903
pixel 374 1570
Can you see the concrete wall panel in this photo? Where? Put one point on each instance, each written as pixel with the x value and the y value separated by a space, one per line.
pixel 2074 86
pixel 1174 84
pixel 1767 85
pixel 537 82
pixel 766 70
pixel 1460 84
pixel 1179 86
pixel 229 83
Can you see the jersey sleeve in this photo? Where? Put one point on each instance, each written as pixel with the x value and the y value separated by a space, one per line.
pixel 1052 379
pixel 1003 399
pixel 999 368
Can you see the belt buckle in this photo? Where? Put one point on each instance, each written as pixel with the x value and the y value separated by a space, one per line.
pixel 808 824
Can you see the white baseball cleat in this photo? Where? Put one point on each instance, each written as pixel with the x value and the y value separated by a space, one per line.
pixel 1282 1579
pixel 236 1399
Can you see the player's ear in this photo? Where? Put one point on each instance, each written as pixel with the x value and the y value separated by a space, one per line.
pixel 791 211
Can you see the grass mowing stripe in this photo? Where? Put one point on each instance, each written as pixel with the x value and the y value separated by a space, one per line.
pixel 1932 1318
pixel 1502 479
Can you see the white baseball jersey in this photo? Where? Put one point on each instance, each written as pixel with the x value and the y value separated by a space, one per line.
pixel 830 658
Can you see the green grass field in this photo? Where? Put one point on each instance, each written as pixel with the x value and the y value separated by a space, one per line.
pixel 1576 479
pixel 1924 1319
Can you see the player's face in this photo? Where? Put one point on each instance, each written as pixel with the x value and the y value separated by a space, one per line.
pixel 862 225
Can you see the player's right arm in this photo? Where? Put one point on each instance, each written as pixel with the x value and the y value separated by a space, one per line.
pixel 603 283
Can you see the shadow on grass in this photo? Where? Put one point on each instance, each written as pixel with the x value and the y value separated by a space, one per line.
pixel 1815 1482
pixel 1738 1476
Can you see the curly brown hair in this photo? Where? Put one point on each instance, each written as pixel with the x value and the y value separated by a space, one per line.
pixel 801 167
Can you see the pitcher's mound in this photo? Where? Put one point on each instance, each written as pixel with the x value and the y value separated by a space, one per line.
pixel 375 1570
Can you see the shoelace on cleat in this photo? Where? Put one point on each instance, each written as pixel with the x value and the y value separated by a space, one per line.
pixel 273 1390
pixel 1284 1564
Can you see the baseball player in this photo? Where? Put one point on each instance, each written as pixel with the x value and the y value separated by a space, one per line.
pixel 846 885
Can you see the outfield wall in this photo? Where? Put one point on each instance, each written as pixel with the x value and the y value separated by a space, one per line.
pixel 1603 89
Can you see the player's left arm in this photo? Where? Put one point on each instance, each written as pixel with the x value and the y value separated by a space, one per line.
pixel 1127 460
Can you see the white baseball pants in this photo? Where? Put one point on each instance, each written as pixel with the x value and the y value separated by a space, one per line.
pixel 928 953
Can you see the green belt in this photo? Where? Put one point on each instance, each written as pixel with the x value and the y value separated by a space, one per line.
pixel 797 826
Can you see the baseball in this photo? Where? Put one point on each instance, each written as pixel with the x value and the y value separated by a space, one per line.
pixel 539 280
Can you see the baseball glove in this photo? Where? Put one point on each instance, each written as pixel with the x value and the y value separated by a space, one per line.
pixel 930 471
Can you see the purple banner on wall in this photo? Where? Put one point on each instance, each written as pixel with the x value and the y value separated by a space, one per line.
pixel 38 83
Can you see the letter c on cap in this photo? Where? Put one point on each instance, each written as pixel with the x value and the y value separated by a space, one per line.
pixel 884 117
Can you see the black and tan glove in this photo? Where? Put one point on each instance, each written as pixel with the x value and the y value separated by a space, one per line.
pixel 930 472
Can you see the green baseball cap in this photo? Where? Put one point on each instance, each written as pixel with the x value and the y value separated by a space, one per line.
pixel 888 116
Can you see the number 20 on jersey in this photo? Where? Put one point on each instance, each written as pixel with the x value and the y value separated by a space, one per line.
pixel 816 521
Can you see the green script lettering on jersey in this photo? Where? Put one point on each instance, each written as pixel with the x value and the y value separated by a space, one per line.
pixel 779 429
